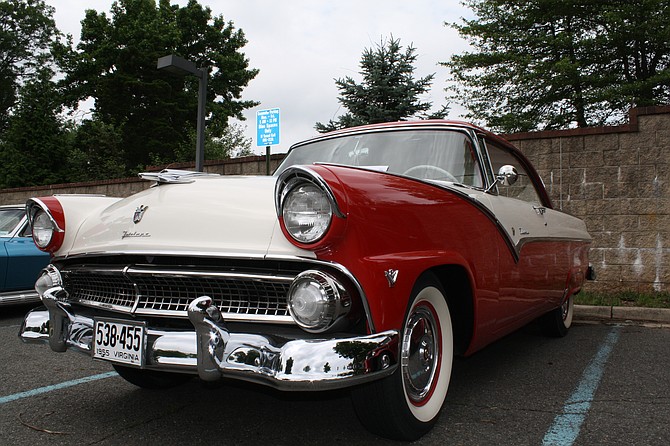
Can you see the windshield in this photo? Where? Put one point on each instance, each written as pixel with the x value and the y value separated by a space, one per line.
pixel 9 218
pixel 443 155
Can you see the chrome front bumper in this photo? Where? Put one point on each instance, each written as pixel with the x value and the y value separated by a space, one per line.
pixel 212 351
pixel 18 297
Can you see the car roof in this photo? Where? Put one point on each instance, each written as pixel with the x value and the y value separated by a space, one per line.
pixel 423 123
pixel 436 124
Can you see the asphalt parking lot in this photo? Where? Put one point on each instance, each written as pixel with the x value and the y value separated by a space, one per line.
pixel 605 383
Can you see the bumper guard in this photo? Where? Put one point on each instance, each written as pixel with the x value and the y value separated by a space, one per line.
pixel 212 352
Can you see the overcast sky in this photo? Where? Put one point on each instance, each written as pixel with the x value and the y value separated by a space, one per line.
pixel 301 46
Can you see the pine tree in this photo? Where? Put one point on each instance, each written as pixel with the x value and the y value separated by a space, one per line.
pixel 388 91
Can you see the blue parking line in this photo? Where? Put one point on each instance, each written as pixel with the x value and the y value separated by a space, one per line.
pixel 566 426
pixel 63 385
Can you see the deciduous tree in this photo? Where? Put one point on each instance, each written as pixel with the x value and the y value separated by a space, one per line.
pixel 549 64
pixel 115 64
pixel 34 147
pixel 27 31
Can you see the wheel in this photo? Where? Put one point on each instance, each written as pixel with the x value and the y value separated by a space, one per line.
pixel 151 379
pixel 557 322
pixel 406 404
pixel 426 171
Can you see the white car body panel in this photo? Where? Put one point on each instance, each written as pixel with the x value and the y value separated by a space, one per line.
pixel 523 221
pixel 213 215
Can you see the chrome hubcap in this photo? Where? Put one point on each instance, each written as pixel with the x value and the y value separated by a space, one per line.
pixel 420 353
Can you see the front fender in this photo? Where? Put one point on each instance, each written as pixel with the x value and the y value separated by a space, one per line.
pixel 400 224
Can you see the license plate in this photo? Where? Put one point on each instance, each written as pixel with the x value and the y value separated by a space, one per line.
pixel 119 341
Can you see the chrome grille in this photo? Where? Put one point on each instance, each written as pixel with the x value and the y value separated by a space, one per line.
pixel 149 291
pixel 104 289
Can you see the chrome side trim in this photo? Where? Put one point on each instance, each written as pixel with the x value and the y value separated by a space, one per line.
pixel 18 297
pixel 514 248
pixel 529 240
pixel 213 352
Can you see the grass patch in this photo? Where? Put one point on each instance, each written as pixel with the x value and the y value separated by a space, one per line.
pixel 624 299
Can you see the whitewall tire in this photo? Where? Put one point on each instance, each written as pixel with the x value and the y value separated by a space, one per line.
pixel 406 405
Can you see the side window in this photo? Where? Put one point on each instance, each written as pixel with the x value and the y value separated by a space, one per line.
pixel 523 189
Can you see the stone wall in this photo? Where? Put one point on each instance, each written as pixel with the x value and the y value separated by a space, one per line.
pixel 123 187
pixel 618 180
pixel 615 178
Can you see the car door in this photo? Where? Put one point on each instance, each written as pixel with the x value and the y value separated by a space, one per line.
pixel 21 261
pixel 533 275
pixel 10 217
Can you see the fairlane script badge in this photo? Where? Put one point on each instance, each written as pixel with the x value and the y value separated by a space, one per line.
pixel 127 234
pixel 139 213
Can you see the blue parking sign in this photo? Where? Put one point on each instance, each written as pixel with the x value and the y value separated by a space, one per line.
pixel 267 127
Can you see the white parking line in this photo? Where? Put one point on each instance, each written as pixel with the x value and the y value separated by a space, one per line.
pixel 565 429
pixel 63 385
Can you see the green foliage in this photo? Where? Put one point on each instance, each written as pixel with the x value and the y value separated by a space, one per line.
pixel 388 91
pixel 233 143
pixel 96 152
pixel 624 299
pixel 550 64
pixel 34 147
pixel 27 31
pixel 141 115
pixel 154 112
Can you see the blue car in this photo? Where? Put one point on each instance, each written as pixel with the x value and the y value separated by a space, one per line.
pixel 20 260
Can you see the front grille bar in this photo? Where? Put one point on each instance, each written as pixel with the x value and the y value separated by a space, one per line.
pixel 246 296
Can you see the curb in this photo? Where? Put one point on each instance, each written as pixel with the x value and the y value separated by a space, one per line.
pixel 592 312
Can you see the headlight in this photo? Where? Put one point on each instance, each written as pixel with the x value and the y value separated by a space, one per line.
pixel 47 222
pixel 316 301
pixel 43 229
pixel 307 212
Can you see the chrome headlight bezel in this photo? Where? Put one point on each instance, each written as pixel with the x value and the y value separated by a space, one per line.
pixel 43 228
pixel 316 301
pixel 47 223
pixel 306 211
pixel 305 205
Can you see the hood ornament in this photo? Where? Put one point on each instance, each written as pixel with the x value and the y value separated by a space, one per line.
pixel 174 176
pixel 139 213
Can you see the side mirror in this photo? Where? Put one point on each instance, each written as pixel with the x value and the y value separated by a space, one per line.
pixel 507 175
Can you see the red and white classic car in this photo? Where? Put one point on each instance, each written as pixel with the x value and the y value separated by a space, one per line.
pixel 368 260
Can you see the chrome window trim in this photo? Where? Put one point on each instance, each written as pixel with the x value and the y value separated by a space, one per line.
pixel 20 226
pixel 469 132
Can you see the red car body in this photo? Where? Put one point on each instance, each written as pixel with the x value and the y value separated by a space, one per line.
pixel 370 258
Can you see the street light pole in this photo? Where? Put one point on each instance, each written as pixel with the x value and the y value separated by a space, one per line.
pixel 180 66
pixel 200 128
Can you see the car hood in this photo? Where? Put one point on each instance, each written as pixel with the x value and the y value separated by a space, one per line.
pixel 213 215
